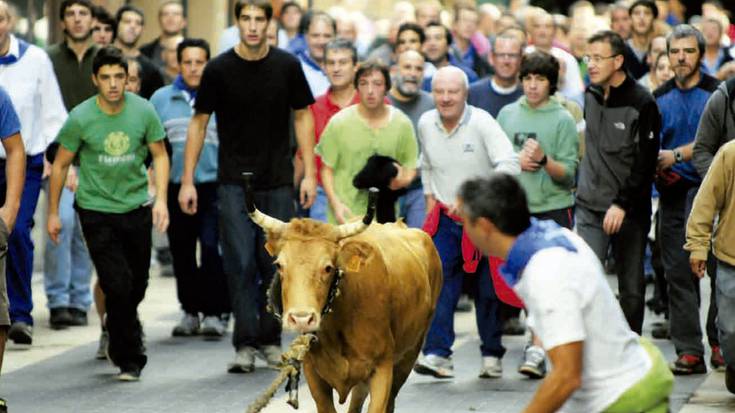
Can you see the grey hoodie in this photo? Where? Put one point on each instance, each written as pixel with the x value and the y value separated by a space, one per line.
pixel 716 127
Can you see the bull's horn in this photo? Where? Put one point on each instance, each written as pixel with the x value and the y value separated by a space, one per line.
pixel 354 228
pixel 260 219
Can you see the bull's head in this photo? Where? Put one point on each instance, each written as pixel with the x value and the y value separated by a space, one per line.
pixel 306 254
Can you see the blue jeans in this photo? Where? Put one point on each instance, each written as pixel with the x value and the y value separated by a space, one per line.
pixel 19 264
pixel 67 269
pixel 440 338
pixel 413 207
pixel 725 294
pixel 248 267
pixel 318 210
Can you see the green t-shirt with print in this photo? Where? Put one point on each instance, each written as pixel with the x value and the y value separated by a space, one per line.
pixel 111 151
pixel 347 142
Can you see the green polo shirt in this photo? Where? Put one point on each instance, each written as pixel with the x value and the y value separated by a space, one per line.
pixel 74 77
pixel 347 142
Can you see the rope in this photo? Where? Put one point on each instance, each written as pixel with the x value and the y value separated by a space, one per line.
pixel 291 370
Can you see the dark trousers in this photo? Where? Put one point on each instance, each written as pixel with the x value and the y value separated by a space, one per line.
pixel 441 336
pixel 248 267
pixel 201 289
pixel 19 263
pixel 628 246
pixel 120 248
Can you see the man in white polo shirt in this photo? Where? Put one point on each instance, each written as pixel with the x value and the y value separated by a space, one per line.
pixel 28 76
pixel 599 363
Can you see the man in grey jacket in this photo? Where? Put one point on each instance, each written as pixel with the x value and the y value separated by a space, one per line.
pixel 716 127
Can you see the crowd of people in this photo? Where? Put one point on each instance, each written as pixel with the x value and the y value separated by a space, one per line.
pixel 610 119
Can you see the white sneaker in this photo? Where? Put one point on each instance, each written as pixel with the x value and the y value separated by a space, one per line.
pixel 188 326
pixel 272 355
pixel 434 365
pixel 534 362
pixel 212 327
pixel 244 361
pixel 492 368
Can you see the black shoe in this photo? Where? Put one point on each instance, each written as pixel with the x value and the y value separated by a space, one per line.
pixel 130 373
pixel 3 406
pixel 78 317
pixel 661 331
pixel 21 333
pixel 730 379
pixel 60 318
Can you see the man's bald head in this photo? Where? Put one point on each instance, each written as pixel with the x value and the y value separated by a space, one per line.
pixel 412 55
pixel 451 75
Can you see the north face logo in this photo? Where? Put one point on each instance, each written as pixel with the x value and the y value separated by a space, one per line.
pixel 619 125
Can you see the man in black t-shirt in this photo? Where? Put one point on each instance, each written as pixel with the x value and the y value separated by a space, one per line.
pixel 252 89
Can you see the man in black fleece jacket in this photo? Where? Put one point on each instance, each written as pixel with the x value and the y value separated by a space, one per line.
pixel 616 174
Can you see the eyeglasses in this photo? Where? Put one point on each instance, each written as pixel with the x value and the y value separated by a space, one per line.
pixel 596 59
pixel 507 55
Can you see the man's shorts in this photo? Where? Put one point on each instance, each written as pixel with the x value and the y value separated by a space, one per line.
pixel 4 306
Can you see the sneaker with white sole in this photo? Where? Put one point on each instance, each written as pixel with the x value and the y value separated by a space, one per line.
pixel 130 373
pixel 244 361
pixel 104 343
pixel 212 327
pixel 534 362
pixel 188 326
pixel 271 354
pixel 434 365
pixel 492 368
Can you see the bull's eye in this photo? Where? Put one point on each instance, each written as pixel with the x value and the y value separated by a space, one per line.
pixel 328 269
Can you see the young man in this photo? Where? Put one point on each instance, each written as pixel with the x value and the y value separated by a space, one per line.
pixel 459 141
pixel 544 135
pixel 111 134
pixel 599 364
pixel 253 111
pixel 715 55
pixel 27 75
pixel 201 289
pixel 466 19
pixel 613 204
pixel 340 64
pixel 620 21
pixel 406 95
pixel 67 268
pixel 492 94
pixel 103 26
pixel 681 101
pixel 172 21
pixel 12 180
pixel 129 29
pixel 643 13
pixel 437 50
pixel 410 37
pixel 321 30
pixel 371 127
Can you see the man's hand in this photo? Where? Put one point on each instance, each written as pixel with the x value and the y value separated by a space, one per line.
pixel 698 266
pixel 188 199
pixel 430 203
pixel 613 219
pixel 527 164
pixel 666 160
pixel 307 192
pixel 397 182
pixel 72 179
pixel 160 215
pixel 341 212
pixel 53 226
pixel 46 169
pixel 8 216
pixel 533 149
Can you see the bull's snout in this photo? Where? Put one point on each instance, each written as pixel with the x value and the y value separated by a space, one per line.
pixel 302 321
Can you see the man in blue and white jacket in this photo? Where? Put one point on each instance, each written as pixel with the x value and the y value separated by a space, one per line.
pixel 200 289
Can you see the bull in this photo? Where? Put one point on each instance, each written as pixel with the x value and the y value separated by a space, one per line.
pixel 370 333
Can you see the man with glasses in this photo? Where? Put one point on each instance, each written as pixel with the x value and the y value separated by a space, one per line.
pixel 616 173
pixel 492 94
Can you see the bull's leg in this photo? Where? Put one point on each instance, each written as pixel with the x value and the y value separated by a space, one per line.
pixel 321 391
pixel 358 396
pixel 401 371
pixel 380 386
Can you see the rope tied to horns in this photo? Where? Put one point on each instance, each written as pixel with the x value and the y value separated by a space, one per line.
pixel 290 370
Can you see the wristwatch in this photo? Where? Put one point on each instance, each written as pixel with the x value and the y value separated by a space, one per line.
pixel 678 156
pixel 543 160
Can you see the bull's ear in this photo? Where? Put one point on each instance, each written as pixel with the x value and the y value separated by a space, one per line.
pixel 354 255
pixel 272 243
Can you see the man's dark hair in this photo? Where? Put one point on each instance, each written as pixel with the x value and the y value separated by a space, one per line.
pixel 170 2
pixel 373 66
pixel 341 44
pixel 68 3
pixel 108 55
pixel 617 44
pixel 287 5
pixel 129 7
pixel 499 199
pixel 544 64
pixel 683 31
pixel 192 42
pixel 447 33
pixel 264 5
pixel 313 16
pixel 412 27
pixel 103 16
pixel 645 3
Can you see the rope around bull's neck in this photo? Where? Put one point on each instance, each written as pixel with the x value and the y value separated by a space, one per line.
pixel 290 369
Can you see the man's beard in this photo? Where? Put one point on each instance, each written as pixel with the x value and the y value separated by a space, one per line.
pixel 401 86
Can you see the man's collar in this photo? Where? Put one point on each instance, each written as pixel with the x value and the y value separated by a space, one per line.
pixel 464 119
pixel 14 49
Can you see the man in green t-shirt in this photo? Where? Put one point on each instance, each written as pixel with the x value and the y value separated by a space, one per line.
pixel 352 136
pixel 111 134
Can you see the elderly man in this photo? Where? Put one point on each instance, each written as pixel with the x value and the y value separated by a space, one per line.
pixel 459 142
pixel 320 30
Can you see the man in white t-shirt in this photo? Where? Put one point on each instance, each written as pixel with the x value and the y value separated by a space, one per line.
pixel 599 364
